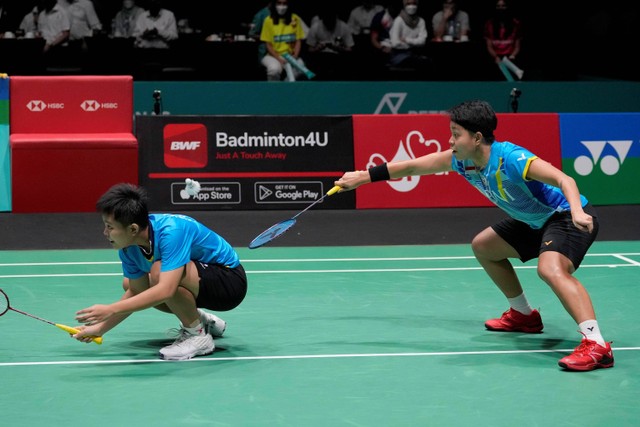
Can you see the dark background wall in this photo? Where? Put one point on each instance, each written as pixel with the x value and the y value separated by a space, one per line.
pixel 598 39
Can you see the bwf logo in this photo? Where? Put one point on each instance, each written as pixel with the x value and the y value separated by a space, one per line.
pixel 185 145
pixel 609 164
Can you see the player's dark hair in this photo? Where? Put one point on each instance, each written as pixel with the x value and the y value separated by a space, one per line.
pixel 127 203
pixel 476 116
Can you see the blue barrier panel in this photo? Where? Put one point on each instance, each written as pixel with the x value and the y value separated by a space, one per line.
pixel 5 161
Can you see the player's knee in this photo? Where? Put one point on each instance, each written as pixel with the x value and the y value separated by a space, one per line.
pixel 550 273
pixel 479 245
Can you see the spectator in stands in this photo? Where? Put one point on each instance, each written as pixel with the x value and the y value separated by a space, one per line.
pixel 503 35
pixel 155 28
pixel 54 25
pixel 124 22
pixel 255 29
pixel 282 34
pixel 330 45
pixel 29 25
pixel 84 20
pixel 380 38
pixel 361 16
pixel 450 24
pixel 408 35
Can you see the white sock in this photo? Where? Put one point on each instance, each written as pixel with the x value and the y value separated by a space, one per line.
pixel 195 330
pixel 520 304
pixel 591 330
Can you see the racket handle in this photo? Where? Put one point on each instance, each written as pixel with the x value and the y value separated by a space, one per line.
pixel 334 190
pixel 73 331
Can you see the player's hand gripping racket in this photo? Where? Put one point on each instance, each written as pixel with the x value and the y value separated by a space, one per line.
pixel 5 306
pixel 278 229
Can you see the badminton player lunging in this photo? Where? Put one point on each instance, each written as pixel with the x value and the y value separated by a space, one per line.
pixel 172 263
pixel 549 220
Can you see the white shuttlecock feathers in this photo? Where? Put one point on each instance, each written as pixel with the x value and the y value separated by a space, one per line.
pixel 193 187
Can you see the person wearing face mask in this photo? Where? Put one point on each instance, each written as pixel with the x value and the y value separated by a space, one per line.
pixel 408 36
pixel 450 24
pixel 282 33
pixel 125 20
pixel 503 35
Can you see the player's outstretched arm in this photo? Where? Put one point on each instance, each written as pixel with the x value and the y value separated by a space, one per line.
pixel 425 165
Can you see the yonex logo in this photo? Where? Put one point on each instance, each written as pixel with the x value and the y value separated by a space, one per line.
pixel 90 105
pixel 36 106
pixel 609 164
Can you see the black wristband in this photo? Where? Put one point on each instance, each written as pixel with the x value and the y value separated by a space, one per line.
pixel 379 173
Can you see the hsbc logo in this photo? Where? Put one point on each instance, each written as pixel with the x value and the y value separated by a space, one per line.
pixel 185 145
pixel 90 105
pixel 37 106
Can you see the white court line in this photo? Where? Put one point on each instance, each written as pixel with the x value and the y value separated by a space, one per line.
pixel 366 270
pixel 301 356
pixel 621 256
pixel 624 258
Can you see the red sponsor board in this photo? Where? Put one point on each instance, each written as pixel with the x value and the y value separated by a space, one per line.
pixel 386 138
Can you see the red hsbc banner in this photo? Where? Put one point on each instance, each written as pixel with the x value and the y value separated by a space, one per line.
pixel 385 138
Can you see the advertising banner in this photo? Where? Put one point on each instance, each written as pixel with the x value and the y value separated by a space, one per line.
pixel 602 153
pixel 379 139
pixel 244 162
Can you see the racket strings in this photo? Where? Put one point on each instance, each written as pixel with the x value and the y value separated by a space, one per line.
pixel 271 233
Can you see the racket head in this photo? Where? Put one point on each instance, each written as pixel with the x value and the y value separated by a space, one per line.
pixel 4 302
pixel 271 233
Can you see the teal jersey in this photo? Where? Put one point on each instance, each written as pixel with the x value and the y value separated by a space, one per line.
pixel 176 240
pixel 503 182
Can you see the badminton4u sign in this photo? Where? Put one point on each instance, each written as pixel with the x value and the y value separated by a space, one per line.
pixel 244 162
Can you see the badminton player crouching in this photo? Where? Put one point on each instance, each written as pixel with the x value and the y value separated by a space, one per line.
pixel 172 263
pixel 549 220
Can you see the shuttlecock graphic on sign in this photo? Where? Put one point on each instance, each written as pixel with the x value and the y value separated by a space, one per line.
pixel 191 189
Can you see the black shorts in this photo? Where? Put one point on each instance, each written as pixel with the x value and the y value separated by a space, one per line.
pixel 558 234
pixel 221 288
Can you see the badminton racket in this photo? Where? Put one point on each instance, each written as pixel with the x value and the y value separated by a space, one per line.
pixel 278 229
pixel 5 306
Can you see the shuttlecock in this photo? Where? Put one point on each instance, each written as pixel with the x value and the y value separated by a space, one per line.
pixel 193 187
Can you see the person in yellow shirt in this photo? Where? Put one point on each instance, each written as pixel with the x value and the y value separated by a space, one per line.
pixel 282 34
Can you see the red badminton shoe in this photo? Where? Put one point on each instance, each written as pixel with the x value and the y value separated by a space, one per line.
pixel 514 321
pixel 589 355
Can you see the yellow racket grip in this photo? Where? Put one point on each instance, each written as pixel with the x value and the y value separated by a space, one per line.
pixel 334 190
pixel 73 331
